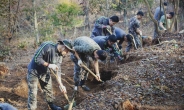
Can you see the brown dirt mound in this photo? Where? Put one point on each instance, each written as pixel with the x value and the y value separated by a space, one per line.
pixel 21 89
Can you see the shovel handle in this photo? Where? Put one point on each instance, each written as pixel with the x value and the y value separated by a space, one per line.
pixel 90 72
pixel 65 95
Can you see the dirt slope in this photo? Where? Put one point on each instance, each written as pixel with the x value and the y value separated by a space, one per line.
pixel 151 79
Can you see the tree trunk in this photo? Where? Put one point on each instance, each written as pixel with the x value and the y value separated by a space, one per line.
pixel 176 8
pixel 152 18
pixel 87 14
pixel 35 22
pixel 164 14
pixel 107 8
pixel 9 23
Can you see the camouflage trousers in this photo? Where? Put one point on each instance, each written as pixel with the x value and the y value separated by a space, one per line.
pixel 137 40
pixel 46 85
pixel 80 75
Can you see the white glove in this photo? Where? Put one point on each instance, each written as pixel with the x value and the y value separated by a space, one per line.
pixel 63 89
pixel 80 62
pixel 75 88
pixel 53 66
pixel 141 33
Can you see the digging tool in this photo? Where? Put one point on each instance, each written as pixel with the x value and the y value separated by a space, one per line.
pixel 72 103
pixel 86 68
pixel 140 37
pixel 133 41
pixel 69 106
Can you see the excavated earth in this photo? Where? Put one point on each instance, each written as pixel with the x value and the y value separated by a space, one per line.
pixel 151 78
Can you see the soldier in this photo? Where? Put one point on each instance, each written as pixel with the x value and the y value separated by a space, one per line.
pixel 122 36
pixel 162 22
pixel 159 11
pixel 134 28
pixel 107 43
pixel 84 48
pixel 102 24
pixel 48 56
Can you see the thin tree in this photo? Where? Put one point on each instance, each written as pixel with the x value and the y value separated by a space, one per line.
pixel 35 22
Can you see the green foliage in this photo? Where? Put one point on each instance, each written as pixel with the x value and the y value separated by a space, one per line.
pixel 66 15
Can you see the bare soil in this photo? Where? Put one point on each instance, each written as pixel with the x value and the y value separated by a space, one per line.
pixel 150 79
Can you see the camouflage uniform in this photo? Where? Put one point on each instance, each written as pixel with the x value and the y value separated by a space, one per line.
pixel 37 72
pixel 85 47
pixel 133 25
pixel 98 29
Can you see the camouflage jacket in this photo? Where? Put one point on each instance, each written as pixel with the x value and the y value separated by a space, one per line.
pixel 47 52
pixel 134 23
pixel 98 29
pixel 85 45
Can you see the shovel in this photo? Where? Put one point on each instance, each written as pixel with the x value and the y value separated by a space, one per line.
pixel 72 103
pixel 86 68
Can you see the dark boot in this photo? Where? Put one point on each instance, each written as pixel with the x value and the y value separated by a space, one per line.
pixel 54 107
pixel 85 88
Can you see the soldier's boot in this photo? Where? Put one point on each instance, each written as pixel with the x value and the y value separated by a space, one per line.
pixel 84 87
pixel 54 107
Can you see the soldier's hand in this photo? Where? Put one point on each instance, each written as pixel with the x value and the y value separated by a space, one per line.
pixel 63 89
pixel 108 27
pixel 53 66
pixel 80 63
pixel 98 76
pixel 140 33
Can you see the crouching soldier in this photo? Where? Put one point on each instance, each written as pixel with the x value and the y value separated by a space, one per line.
pixel 48 56
pixel 102 24
pixel 122 36
pixel 107 43
pixel 84 48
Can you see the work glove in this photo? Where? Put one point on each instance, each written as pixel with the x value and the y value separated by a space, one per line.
pixel 63 89
pixel 140 33
pixel 53 66
pixel 80 63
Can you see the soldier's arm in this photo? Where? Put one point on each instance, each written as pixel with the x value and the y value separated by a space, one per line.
pixel 162 26
pixel 96 66
pixel 161 22
pixel 39 56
